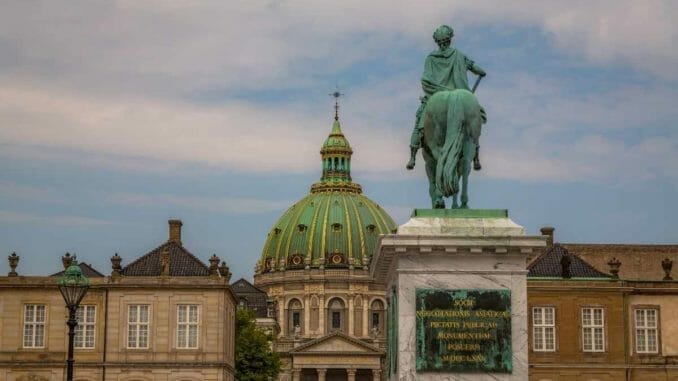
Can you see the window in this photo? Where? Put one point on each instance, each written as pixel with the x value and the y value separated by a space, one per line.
pixel 187 326
pixel 378 322
pixel 336 316
pixel 294 316
pixel 34 326
pixel 593 325
pixel 84 331
pixel 137 326
pixel 336 320
pixel 646 331
pixel 543 329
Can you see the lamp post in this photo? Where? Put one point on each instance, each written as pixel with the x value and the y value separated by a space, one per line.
pixel 73 286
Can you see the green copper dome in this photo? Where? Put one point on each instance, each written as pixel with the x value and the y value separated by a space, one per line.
pixel 334 226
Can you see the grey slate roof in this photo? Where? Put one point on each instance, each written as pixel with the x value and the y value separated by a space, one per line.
pixel 86 269
pixel 548 265
pixel 182 262
pixel 254 297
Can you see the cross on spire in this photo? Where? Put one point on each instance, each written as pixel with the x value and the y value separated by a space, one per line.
pixel 336 94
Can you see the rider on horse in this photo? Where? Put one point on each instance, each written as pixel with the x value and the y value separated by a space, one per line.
pixel 444 69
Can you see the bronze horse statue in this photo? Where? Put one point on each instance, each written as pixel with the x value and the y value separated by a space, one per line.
pixel 451 124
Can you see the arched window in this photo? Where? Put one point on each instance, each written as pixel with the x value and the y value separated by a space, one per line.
pixel 377 318
pixel 336 315
pixel 295 316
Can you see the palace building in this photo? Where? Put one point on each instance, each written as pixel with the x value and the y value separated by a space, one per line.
pixel 603 312
pixel 314 268
pixel 164 316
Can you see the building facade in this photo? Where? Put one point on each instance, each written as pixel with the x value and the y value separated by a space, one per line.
pixel 165 316
pixel 314 268
pixel 591 321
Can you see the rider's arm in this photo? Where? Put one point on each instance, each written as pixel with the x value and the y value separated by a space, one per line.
pixel 475 69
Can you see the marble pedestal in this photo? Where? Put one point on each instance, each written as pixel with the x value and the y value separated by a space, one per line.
pixel 455 249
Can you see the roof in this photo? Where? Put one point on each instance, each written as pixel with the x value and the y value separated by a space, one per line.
pixel 638 261
pixel 243 286
pixel 255 298
pixel 182 262
pixel 548 264
pixel 335 225
pixel 87 270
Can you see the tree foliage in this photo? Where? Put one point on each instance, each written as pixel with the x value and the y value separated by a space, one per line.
pixel 254 359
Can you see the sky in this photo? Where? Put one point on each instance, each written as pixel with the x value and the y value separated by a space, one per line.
pixel 116 116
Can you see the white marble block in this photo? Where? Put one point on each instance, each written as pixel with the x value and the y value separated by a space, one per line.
pixel 448 249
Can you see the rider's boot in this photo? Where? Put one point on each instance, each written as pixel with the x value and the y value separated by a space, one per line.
pixel 413 157
pixel 476 160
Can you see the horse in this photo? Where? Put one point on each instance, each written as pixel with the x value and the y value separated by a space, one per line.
pixel 451 124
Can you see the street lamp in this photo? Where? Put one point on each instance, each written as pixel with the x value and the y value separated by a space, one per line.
pixel 73 286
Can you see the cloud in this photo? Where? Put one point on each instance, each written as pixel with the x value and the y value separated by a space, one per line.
pixel 122 84
pixel 11 190
pixel 180 48
pixel 12 217
pixel 232 205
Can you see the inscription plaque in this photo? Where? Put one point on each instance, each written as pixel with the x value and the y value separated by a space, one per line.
pixel 463 331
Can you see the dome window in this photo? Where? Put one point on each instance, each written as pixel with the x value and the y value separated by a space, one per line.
pixel 296 261
pixel 277 231
pixel 336 227
pixel 370 228
pixel 336 259
pixel 302 228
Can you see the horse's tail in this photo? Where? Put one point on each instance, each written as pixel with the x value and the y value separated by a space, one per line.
pixel 447 172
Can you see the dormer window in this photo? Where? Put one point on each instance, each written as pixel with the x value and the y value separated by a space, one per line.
pixel 302 228
pixel 336 227
pixel 277 231
pixel 370 228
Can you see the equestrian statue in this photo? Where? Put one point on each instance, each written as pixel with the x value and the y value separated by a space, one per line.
pixel 448 122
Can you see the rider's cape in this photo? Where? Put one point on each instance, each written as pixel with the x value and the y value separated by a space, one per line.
pixel 445 68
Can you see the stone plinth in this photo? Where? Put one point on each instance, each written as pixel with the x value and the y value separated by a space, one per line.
pixel 454 250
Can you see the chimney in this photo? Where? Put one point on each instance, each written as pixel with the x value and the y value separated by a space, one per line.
pixel 548 231
pixel 175 231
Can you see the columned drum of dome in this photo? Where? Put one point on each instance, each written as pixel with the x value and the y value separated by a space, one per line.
pixel 334 226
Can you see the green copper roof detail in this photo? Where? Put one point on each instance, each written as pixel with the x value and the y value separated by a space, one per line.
pixel 336 162
pixel 335 225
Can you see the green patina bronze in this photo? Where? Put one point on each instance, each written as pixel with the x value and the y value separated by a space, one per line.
pixel 448 122
pixel 460 213
pixel 463 331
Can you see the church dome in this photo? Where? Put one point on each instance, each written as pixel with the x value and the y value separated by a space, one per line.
pixel 334 226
